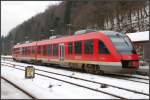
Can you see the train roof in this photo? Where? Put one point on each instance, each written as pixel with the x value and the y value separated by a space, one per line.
pixel 25 44
pixel 77 37
pixel 112 33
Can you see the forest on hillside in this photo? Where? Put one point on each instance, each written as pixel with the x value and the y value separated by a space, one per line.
pixel 70 16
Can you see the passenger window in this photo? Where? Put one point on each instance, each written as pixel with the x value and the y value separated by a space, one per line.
pixel 70 48
pixel 25 50
pixel 28 50
pixel 39 49
pixel 102 48
pixel 88 46
pixel 78 47
pixel 55 50
pixel 32 50
pixel 22 51
pixel 50 50
pixel 44 50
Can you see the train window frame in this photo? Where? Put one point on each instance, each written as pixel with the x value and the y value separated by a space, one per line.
pixel 123 45
pixel 44 50
pixel 33 51
pixel 29 50
pixel 25 50
pixel 50 49
pixel 21 50
pixel 87 48
pixel 78 47
pixel 16 51
pixel 39 49
pixel 70 47
pixel 103 50
pixel 55 50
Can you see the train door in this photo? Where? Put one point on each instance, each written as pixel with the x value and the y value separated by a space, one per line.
pixel 61 50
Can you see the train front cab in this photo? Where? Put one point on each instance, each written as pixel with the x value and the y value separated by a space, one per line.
pixel 125 52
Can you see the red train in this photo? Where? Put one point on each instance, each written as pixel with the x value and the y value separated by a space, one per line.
pixel 93 51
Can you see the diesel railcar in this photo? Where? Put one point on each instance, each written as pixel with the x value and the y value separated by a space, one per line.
pixel 93 52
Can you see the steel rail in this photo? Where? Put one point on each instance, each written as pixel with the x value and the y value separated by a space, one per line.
pixel 105 75
pixel 126 76
pixel 92 81
pixel 72 83
pixel 19 88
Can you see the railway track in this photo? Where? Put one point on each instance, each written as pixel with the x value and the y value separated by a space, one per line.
pixel 109 74
pixel 70 83
pixel 81 79
pixel 19 88
pixel 130 78
pixel 118 76
pixel 7 58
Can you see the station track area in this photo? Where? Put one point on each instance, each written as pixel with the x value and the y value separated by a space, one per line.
pixel 129 78
pixel 10 90
pixel 138 78
pixel 83 82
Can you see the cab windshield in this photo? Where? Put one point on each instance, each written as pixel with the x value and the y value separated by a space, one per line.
pixel 121 42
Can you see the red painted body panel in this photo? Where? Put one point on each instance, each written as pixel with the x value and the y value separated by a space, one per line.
pixel 114 56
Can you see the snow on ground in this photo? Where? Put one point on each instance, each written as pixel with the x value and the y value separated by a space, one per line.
pixel 111 90
pixel 139 76
pixel 40 87
pixel 6 56
pixel 10 92
pixel 143 69
pixel 113 81
pixel 79 94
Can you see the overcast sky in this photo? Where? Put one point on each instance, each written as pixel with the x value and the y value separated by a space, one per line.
pixel 16 12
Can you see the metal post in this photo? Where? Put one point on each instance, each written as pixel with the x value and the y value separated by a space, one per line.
pixel 52 32
pixel 11 44
pixel 2 47
pixel 69 29
pixel 26 38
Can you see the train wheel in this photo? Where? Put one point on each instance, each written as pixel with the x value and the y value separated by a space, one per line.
pixel 101 72
pixel 89 68
pixel 96 69
pixel 39 62
pixel 82 68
